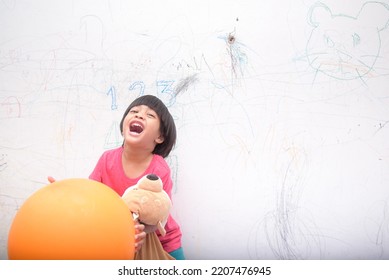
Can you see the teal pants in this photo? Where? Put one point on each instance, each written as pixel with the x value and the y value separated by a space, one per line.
pixel 178 254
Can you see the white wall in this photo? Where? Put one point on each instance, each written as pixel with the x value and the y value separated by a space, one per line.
pixel 283 135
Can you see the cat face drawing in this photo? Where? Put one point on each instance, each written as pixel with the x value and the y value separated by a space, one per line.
pixel 346 47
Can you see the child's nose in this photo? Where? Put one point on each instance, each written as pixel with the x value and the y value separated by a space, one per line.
pixel 140 115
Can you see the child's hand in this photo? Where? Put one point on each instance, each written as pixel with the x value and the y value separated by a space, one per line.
pixel 50 179
pixel 140 235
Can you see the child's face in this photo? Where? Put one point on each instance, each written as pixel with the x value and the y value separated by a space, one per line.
pixel 141 126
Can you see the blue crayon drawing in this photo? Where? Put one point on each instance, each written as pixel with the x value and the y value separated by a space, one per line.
pixel 343 46
pixel 166 92
pixel 112 92
pixel 140 85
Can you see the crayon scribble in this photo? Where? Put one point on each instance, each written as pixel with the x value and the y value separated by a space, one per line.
pixel 344 46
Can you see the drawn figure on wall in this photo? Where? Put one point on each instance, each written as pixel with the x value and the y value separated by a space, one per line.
pixel 343 46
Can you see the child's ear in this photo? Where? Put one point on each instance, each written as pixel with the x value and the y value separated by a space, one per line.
pixel 160 139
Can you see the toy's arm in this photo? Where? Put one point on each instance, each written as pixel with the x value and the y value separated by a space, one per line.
pixel 161 229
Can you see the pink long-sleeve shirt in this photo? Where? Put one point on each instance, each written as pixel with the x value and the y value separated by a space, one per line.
pixel 109 171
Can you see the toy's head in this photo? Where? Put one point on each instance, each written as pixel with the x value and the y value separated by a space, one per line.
pixel 149 202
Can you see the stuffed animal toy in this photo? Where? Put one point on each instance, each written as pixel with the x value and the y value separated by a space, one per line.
pixel 149 203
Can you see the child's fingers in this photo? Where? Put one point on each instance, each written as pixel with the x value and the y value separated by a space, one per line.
pixel 140 236
pixel 50 179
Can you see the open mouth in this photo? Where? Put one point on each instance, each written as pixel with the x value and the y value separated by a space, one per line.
pixel 136 127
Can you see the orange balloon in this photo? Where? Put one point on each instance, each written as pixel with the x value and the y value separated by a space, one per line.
pixel 73 219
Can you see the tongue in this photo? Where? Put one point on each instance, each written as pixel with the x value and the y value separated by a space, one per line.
pixel 136 129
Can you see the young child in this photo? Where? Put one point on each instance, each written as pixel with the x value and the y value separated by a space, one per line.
pixel 149 135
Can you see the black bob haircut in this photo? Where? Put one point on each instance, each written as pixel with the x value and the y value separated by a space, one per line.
pixel 167 126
